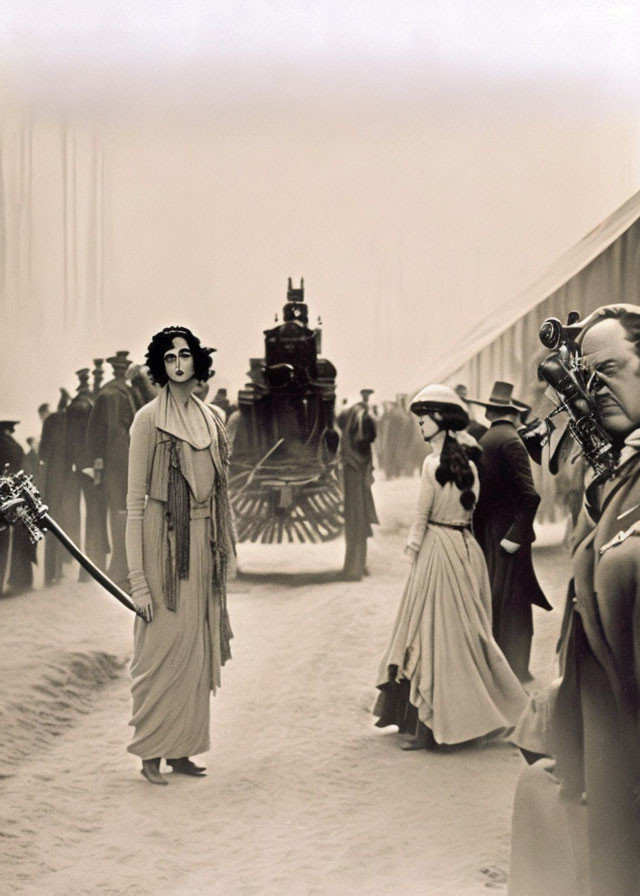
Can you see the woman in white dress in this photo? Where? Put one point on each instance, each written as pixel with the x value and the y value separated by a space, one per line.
pixel 443 678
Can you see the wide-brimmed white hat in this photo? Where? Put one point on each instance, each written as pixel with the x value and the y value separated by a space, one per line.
pixel 435 397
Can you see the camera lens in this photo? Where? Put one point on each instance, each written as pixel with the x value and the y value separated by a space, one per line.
pixel 551 333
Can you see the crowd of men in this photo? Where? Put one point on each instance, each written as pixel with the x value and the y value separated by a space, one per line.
pixel 79 464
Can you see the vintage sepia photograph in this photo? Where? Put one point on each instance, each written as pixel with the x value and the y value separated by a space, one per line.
pixel 320 447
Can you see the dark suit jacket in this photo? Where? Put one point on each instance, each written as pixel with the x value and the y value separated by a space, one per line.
pixel 596 720
pixel 108 437
pixel 508 500
pixel 506 508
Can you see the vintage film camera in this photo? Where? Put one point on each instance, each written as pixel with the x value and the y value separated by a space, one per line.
pixel 571 388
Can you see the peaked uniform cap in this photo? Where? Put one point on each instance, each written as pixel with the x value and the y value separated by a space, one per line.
pixel 120 359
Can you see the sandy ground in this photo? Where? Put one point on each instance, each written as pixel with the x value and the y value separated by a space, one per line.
pixel 303 794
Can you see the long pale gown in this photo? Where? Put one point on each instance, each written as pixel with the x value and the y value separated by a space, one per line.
pixel 177 657
pixel 442 661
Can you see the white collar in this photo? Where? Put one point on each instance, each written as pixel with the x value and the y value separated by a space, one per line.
pixel 631 446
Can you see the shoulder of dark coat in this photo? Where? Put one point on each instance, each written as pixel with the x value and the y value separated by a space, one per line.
pixel 499 433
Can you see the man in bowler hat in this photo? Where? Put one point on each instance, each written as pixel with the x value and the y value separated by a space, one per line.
pixel 503 524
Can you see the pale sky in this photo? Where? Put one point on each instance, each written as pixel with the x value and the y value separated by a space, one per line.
pixel 539 36
pixel 384 42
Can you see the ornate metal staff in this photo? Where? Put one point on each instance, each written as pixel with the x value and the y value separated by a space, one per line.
pixel 20 502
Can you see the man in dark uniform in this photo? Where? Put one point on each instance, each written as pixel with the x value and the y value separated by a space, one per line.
pixel 392 442
pixel 31 463
pixel 358 433
pixel 221 400
pixel 55 478
pixel 98 376
pixel 108 446
pixel 503 524
pixel 94 540
pixel 14 541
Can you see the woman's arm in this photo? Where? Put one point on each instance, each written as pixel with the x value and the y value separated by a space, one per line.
pixel 140 452
pixel 423 510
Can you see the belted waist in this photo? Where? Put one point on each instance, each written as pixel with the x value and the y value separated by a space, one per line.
pixel 200 511
pixel 460 527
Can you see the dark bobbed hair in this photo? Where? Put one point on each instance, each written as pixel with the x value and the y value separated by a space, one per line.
pixel 450 416
pixel 629 319
pixel 163 341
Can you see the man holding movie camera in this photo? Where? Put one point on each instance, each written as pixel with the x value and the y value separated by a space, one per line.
pixel 595 734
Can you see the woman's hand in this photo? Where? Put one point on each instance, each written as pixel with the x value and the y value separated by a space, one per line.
pixel 411 552
pixel 141 597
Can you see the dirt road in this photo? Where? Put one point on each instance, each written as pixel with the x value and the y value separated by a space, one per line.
pixel 303 794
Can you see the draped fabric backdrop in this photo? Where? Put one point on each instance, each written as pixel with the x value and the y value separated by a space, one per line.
pixel 420 166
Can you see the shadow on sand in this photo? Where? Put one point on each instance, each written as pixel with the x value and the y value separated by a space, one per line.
pixel 291 579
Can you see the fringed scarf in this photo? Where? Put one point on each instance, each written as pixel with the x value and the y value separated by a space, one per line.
pixel 225 542
pixel 178 521
pixel 178 515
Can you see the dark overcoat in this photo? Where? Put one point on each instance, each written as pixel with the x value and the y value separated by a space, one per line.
pixel 96 539
pixel 56 475
pixel 358 433
pixel 108 437
pixel 596 720
pixel 506 508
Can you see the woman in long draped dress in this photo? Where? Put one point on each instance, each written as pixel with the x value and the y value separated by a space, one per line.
pixel 179 540
pixel 443 678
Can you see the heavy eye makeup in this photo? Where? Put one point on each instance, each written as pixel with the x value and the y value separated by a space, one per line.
pixel 172 357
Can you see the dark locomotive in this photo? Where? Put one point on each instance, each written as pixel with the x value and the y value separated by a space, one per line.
pixel 284 478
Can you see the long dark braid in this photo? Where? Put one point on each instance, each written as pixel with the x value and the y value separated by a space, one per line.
pixel 455 467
